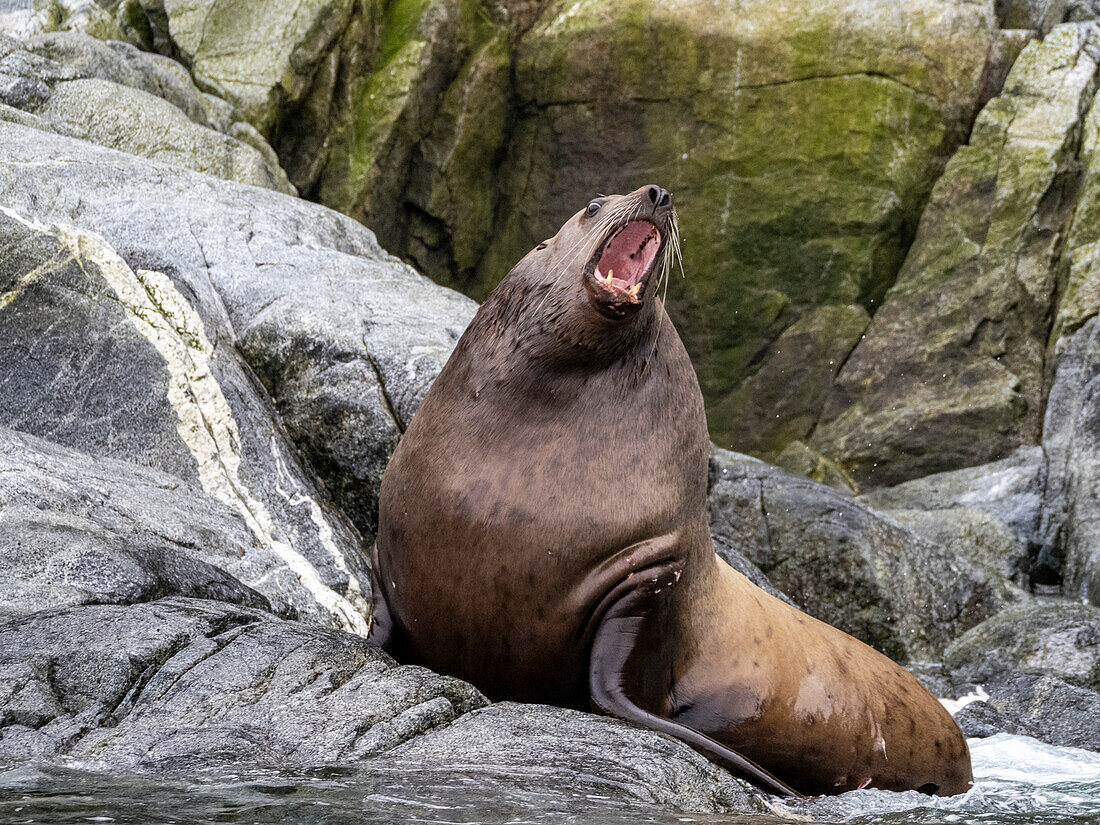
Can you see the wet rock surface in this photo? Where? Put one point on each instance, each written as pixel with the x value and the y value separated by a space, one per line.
pixel 1058 637
pixel 846 564
pixel 604 756
pixel 77 529
pixel 1037 705
pixel 176 683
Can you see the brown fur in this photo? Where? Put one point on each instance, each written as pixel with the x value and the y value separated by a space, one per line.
pixel 543 535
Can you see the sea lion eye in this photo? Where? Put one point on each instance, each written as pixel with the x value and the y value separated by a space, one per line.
pixel 541 246
pixel 592 209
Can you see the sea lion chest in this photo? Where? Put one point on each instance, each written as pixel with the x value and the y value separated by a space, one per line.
pixel 505 519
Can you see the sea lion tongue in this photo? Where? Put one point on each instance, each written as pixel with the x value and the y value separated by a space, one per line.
pixel 628 256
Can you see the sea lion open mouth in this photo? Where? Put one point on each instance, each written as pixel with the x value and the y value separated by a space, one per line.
pixel 623 263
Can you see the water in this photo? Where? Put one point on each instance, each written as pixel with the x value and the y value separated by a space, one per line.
pixel 1019 782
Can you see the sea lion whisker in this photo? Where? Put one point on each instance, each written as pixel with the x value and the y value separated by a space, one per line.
pixel 579 246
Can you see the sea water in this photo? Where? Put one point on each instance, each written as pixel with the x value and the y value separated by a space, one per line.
pixel 1019 781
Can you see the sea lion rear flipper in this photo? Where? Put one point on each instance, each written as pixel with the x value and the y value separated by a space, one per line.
pixel 613 667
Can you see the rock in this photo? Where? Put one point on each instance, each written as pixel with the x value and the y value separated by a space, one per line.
pixel 141 104
pixel 128 363
pixel 344 337
pixel 1040 15
pixel 15 16
pixel 37 16
pixel 536 746
pixel 780 402
pixel 934 677
pixel 981 720
pixel 261 57
pixel 78 529
pixel 78 56
pixel 990 514
pixel 181 684
pixel 416 146
pixel 982 539
pixel 799 459
pixel 1058 637
pixel 1049 709
pixel 844 563
pixel 463 133
pixel 1011 490
pixel 950 372
pixel 1080 11
pixel 1071 429
pixel 1071 438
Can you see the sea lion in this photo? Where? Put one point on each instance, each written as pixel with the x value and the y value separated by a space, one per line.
pixel 543 534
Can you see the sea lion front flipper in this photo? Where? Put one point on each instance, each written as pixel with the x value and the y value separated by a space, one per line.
pixel 612 667
pixel 380 629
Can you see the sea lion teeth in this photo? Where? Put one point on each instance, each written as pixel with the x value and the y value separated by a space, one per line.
pixel 633 291
pixel 610 273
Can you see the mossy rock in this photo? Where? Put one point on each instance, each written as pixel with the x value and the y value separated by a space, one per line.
pixel 799 140
pixel 950 372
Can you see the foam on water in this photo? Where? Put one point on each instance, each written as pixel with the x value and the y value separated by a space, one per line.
pixel 1017 781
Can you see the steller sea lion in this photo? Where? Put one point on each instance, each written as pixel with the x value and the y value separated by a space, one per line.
pixel 543 534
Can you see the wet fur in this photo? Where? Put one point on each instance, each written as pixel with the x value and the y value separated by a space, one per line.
pixel 559 458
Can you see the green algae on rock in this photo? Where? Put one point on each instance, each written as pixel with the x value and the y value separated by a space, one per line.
pixel 800 138
pixel 950 372
pixel 780 403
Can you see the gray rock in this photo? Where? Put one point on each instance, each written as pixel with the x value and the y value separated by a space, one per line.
pixel 1010 490
pixel 846 564
pixel 1071 429
pixel 1058 637
pixel 345 337
pixel 990 514
pixel 536 746
pixel 86 16
pixel 978 537
pixel 725 507
pixel 77 529
pixel 1071 438
pixel 129 364
pixel 934 677
pixel 138 104
pixel 1080 11
pixel 1049 709
pixel 981 720
pixel 179 684
pixel 83 57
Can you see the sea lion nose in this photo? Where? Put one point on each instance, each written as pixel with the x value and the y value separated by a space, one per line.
pixel 658 197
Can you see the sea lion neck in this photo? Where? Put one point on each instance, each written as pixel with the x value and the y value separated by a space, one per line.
pixel 535 326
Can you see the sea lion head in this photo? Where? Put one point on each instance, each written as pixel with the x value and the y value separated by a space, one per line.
pixel 609 257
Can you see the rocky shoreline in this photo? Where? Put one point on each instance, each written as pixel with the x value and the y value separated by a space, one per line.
pixel 202 376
